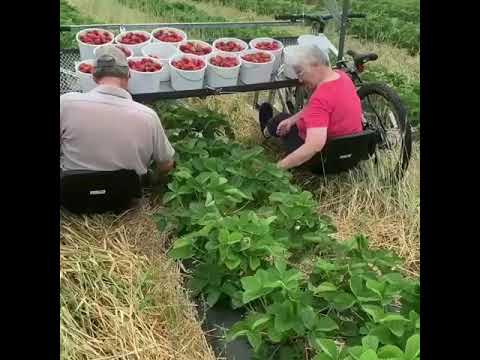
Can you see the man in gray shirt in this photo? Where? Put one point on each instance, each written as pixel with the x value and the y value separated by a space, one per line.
pixel 105 130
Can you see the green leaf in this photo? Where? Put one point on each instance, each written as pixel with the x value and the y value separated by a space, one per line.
pixel 255 340
pixel 307 314
pixel 254 262
pixel 238 193
pixel 213 296
pixel 376 286
pixel 369 355
pixel 169 196
pixel 324 287
pixel 328 347
pixel 392 317
pixel 260 320
pixel 396 327
pixel 322 356
pixel 370 342
pixel 209 201
pixel 389 352
pixel 232 262
pixel 325 324
pixel 412 349
pixel 254 288
pixel 343 301
pixel 355 352
pixel 376 312
pixel 383 334
pixel 182 249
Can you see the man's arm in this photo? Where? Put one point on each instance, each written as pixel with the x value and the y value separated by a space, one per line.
pixel 163 154
pixel 314 143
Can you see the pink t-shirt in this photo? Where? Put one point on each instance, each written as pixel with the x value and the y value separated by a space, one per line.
pixel 334 105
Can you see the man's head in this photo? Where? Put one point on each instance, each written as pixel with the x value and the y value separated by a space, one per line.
pixel 111 67
pixel 310 64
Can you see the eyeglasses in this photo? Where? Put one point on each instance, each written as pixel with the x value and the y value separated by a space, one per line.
pixel 299 73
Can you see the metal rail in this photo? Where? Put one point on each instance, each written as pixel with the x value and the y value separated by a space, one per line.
pixel 183 26
pixel 204 92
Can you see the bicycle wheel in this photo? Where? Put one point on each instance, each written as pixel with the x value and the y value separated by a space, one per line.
pixel 385 113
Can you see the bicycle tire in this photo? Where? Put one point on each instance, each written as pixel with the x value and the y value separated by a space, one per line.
pixel 400 111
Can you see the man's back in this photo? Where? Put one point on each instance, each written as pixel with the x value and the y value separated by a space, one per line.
pixel 105 130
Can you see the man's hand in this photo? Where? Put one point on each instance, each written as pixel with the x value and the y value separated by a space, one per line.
pixel 284 127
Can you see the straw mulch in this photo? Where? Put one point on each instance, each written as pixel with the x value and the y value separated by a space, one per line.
pixel 121 298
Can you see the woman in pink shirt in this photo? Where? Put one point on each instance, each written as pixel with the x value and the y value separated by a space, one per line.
pixel 333 110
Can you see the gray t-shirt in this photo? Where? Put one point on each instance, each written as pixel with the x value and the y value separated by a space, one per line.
pixel 106 130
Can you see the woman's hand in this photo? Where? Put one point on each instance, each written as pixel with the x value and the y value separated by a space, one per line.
pixel 284 127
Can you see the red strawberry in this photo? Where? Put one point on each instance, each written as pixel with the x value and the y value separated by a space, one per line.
pixel 144 65
pixel 188 64
pixel 259 57
pixel 86 68
pixel 195 48
pixel 267 45
pixel 224 61
pixel 168 36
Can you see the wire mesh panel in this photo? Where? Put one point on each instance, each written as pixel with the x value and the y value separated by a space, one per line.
pixel 68 78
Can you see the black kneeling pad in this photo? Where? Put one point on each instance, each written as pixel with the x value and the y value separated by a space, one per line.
pixel 344 153
pixel 88 192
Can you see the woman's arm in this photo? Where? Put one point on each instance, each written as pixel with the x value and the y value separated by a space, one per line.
pixel 314 143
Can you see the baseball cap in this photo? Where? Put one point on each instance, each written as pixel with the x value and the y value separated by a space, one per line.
pixel 110 61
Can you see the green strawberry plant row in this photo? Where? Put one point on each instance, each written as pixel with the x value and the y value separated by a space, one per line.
pixel 243 225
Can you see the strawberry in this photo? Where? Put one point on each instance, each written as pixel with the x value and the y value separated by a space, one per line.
pixel 267 45
pixel 94 37
pixel 260 57
pixel 168 36
pixel 230 46
pixel 224 61
pixel 188 64
pixel 86 68
pixel 144 65
pixel 195 48
pixel 131 38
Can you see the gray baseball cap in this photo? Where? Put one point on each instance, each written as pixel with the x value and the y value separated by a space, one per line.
pixel 111 61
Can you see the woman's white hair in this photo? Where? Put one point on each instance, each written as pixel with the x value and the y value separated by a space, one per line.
pixel 308 55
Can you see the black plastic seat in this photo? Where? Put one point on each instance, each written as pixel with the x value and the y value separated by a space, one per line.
pixel 88 192
pixel 360 59
pixel 344 153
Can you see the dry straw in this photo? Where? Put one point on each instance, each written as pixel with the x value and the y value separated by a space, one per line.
pixel 121 298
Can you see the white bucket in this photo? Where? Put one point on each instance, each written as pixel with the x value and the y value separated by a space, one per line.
pixel 252 73
pixel 118 46
pixel 238 41
pixel 163 52
pixel 187 79
pixel 85 81
pixel 321 41
pixel 218 76
pixel 183 34
pixel 136 48
pixel 145 82
pixel 86 50
pixel 204 57
pixel 277 53
pixel 288 53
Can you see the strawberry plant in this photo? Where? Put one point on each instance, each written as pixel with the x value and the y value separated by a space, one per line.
pixel 240 222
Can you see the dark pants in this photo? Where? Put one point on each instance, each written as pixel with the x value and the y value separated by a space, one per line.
pixel 291 141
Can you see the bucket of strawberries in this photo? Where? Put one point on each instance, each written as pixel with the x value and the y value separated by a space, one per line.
pixel 187 72
pixel 146 74
pixel 195 47
pixel 231 45
pixel 84 71
pixel 168 35
pixel 257 66
pixel 134 40
pixel 271 46
pixel 223 69
pixel 90 39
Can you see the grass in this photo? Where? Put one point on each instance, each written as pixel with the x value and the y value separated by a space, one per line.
pixel 121 298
